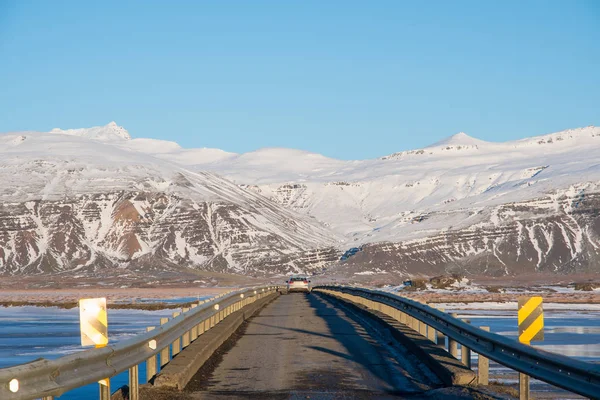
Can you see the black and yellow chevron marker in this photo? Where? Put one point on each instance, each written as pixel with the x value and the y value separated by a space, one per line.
pixel 93 322
pixel 531 319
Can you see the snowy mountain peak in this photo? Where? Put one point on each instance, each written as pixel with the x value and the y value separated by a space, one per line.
pixel 107 133
pixel 461 139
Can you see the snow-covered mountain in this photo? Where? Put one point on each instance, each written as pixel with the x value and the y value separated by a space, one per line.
pixel 462 203
pixel 83 200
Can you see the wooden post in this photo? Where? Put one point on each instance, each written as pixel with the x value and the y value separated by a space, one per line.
pixel 176 342
pixel 465 352
pixel 483 365
pixel 524 383
pixel 523 386
pixel 164 353
pixel 134 383
pixel 104 392
pixel 150 363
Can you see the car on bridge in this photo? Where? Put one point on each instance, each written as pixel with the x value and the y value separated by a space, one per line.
pixel 298 283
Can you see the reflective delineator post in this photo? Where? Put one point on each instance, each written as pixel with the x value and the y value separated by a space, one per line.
pixel 531 328
pixel 93 326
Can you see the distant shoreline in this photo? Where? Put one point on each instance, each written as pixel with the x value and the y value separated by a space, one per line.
pixel 113 306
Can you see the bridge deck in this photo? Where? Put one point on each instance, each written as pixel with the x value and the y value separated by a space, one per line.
pixel 301 345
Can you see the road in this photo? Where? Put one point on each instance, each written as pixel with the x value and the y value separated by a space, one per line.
pixel 301 346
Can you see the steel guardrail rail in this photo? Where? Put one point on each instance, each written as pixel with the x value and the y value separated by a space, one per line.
pixel 46 378
pixel 556 369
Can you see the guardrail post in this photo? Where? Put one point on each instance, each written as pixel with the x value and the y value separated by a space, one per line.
pixel 176 342
pixel 134 383
pixel 422 328
pixel 465 352
pixel 441 337
pixel 452 344
pixel 483 365
pixel 186 335
pixel 104 392
pixel 164 353
pixel 150 363
pixel 431 333
pixel 403 317
pixel 194 331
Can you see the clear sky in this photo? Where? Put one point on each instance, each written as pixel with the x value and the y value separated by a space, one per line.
pixel 348 79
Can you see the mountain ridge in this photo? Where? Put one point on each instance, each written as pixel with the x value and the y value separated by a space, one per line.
pixel 280 210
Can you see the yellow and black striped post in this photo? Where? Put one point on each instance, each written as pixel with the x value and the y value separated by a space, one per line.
pixel 531 319
pixel 531 328
pixel 93 323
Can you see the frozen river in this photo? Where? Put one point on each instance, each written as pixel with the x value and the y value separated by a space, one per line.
pixel 28 333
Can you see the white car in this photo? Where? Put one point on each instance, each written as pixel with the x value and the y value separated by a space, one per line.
pixel 298 284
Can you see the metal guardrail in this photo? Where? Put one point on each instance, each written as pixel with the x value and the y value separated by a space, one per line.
pixel 570 374
pixel 47 378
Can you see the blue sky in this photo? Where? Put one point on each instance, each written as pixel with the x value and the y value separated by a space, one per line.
pixel 348 79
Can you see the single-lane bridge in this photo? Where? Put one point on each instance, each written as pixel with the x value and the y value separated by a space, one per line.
pixel 338 342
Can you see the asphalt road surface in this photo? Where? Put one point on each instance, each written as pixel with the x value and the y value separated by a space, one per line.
pixel 305 346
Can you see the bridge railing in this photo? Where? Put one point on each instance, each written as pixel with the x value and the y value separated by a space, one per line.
pixel 48 378
pixel 568 373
